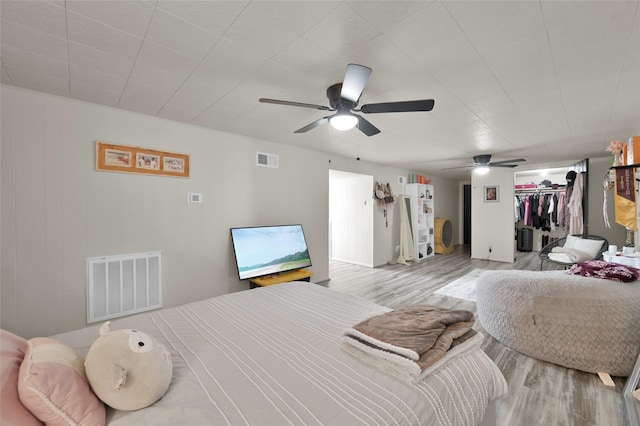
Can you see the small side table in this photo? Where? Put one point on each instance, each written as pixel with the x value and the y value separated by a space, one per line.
pixel 285 277
pixel 624 260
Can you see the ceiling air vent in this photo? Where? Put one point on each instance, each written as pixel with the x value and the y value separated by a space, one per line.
pixel 267 160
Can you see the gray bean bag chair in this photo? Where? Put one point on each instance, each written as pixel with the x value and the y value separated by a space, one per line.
pixel 588 324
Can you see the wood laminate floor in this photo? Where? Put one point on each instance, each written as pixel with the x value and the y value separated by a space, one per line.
pixel 540 393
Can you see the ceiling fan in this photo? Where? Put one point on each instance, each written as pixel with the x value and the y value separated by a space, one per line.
pixel 484 162
pixel 343 99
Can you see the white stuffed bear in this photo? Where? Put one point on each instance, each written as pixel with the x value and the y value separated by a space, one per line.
pixel 128 369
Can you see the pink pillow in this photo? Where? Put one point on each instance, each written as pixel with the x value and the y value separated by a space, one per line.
pixel 52 384
pixel 12 412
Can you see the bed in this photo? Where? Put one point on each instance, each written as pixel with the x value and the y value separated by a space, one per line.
pixel 272 356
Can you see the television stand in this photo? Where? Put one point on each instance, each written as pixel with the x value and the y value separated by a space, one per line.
pixel 284 277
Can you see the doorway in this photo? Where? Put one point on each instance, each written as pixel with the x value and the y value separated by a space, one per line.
pixel 466 214
pixel 351 218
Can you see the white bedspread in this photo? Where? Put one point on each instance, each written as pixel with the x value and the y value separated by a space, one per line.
pixel 272 356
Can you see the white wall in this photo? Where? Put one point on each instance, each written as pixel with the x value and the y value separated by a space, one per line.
pixel 57 210
pixel 492 223
pixel 555 177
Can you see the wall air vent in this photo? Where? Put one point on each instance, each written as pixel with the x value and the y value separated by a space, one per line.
pixel 267 160
pixel 123 285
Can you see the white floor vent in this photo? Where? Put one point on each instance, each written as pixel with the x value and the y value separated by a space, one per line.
pixel 123 285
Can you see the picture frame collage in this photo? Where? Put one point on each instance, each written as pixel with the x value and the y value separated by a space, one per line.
pixel 133 159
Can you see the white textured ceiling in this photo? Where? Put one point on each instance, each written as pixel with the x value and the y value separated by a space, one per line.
pixel 550 81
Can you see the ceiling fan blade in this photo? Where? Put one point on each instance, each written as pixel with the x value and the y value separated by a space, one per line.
pixel 516 160
pixel 355 79
pixel 405 106
pixel 501 165
pixel 366 127
pixel 297 104
pixel 459 167
pixel 312 125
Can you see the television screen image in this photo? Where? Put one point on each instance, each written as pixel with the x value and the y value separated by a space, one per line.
pixel 268 250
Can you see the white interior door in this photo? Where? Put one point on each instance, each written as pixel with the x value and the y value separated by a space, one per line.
pixel 351 218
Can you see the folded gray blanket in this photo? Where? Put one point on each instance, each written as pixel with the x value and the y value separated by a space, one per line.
pixel 411 341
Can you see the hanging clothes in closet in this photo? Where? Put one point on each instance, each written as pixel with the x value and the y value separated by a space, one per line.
pixel 561 209
pixel 571 212
pixel 576 224
pixel 541 210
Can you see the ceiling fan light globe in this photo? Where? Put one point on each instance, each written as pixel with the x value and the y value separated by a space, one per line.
pixel 343 121
pixel 482 170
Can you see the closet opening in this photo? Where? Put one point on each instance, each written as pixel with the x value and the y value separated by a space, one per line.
pixel 543 208
pixel 466 218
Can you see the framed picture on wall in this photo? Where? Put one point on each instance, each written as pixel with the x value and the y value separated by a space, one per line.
pixel 118 157
pixel 134 159
pixel 491 194
pixel 147 161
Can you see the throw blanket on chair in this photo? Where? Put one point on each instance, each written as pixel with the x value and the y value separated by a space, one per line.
pixel 414 341
pixel 568 255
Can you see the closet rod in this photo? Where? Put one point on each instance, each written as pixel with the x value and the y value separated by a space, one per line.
pixel 538 190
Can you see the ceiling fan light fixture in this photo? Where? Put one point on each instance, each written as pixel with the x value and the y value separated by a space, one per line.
pixel 482 170
pixel 344 97
pixel 343 121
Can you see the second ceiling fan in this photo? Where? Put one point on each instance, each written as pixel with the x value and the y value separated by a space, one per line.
pixel 343 99
pixel 484 161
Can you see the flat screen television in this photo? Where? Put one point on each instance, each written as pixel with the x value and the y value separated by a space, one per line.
pixel 269 250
